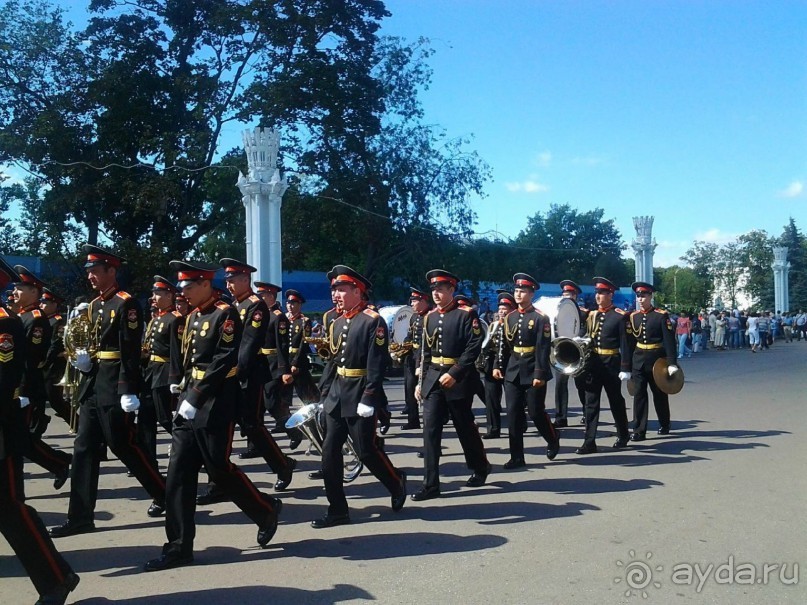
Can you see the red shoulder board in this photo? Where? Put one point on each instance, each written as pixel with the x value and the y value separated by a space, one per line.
pixel 662 311
pixel 123 295
pixel 4 313
pixel 432 311
pixel 277 312
pixel 466 309
pixel 254 298
pixel 37 313
pixel 176 313
pixel 222 305
pixel 539 312
pixel 57 317
pixel 371 313
pixel 620 311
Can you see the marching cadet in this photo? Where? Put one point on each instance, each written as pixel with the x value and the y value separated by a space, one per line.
pixel 453 340
pixel 203 428
pixel 162 344
pixel 276 350
pixel 33 395
pixel 20 524
pixel 55 361
pixel 608 365
pixel 650 336
pixel 299 330
pixel 253 369
pixel 108 397
pixel 420 303
pixel 494 386
pixel 523 364
pixel 569 290
pixel 351 396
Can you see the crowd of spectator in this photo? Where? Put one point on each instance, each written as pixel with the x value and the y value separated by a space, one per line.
pixel 724 330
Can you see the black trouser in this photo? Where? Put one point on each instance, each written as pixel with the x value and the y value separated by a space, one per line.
pixel 147 425
pixel 59 405
pixel 39 452
pixel 111 425
pixel 493 403
pixel 661 401
pixel 191 448
pixel 26 534
pixel 603 373
pixel 362 432
pixel 435 408
pixel 562 394
pixel 410 382
pixel 535 399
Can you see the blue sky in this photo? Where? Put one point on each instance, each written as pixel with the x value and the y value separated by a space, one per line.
pixel 694 112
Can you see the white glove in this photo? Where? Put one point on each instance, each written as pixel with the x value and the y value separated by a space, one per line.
pixel 624 375
pixel 186 410
pixel 129 403
pixel 82 362
pixel 24 402
pixel 175 389
pixel 672 370
pixel 365 411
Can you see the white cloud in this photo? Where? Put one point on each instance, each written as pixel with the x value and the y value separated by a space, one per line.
pixel 531 185
pixel 543 159
pixel 795 189
pixel 715 236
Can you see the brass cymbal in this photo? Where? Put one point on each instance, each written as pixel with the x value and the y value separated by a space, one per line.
pixel 666 383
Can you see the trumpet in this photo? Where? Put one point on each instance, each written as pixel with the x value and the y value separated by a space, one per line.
pixel 322 345
pixel 399 349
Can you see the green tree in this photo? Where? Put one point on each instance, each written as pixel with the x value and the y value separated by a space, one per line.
pixel 702 259
pixel 757 257
pixel 796 245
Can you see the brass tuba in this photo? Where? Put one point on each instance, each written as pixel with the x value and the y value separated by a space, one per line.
pixel 78 335
pixel 322 345
pixel 569 355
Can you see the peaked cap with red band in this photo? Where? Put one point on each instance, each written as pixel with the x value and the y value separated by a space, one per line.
pixel 189 272
pixel 344 275
pixel 568 285
pixel 7 274
pixel 641 286
pixel 441 276
pixel 294 296
pixel 523 280
pixel 600 283
pixel 265 286
pixel 418 294
pixel 162 283
pixel 464 301
pixel 98 256
pixel 28 278
pixel 507 299
pixel 235 267
pixel 49 295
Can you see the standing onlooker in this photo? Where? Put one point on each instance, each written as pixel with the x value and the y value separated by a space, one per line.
pixel 764 329
pixel 683 326
pixel 720 331
pixel 787 326
pixel 743 327
pixel 697 334
pixel 713 327
pixel 734 332
pixel 753 331
pixel 707 331
pixel 801 323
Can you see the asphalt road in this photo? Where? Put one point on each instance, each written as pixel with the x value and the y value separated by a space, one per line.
pixel 713 513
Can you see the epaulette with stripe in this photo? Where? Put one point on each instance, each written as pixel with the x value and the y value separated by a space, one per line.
pixel 277 312
pixel 58 317
pixel 123 295
pixel 620 311
pixel 662 311
pixel 37 313
pixel 371 313
pixel 222 305
pixel 466 309
pixel 176 313
pixel 4 313
pixel 254 298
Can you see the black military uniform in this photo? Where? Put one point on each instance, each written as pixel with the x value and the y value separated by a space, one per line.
pixel 55 361
pixel 493 386
pixel 19 523
pixel 453 340
pixel 253 374
pixel 524 358
pixel 303 385
pixel 411 360
pixel 210 386
pixel 116 323
pixel 38 335
pixel 650 337
pixel 359 347
pixel 276 350
pixel 607 329
pixel 561 379
pixel 162 344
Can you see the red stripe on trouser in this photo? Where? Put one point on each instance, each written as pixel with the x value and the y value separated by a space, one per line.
pixel 240 474
pixel 384 458
pixel 139 451
pixel 29 522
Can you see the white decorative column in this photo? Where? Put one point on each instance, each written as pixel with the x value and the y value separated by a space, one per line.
pixel 781 268
pixel 262 190
pixel 643 247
